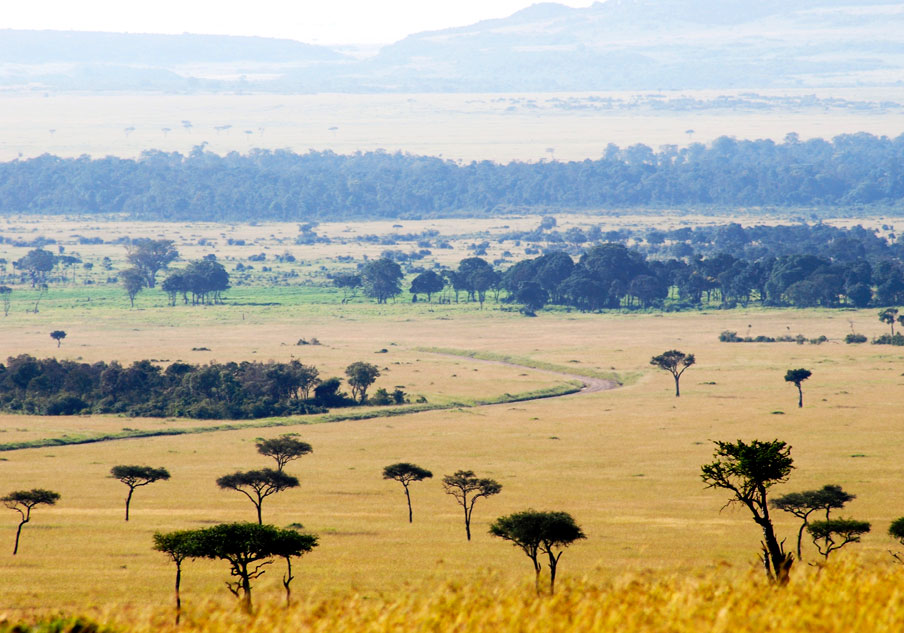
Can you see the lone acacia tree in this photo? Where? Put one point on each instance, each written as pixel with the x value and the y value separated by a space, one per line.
pixel 797 376
pixel 136 476
pixel 249 547
pixel 674 362
pixel 467 489
pixel 748 470
pixel 58 336
pixel 257 485
pixel 539 533
pixel 292 544
pixel 405 473
pixel 178 545
pixel 889 315
pixel 361 375
pixel 22 501
pixel 283 449
pixel 803 504
pixel 833 534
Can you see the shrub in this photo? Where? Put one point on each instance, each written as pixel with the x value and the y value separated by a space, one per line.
pixel 855 338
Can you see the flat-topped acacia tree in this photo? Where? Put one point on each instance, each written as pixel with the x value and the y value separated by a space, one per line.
pixel 137 476
pixel 257 485
pixel 405 473
pixel 283 449
pixel 674 362
pixel 178 545
pixel 797 376
pixel 747 470
pixel 22 501
pixel 539 533
pixel 803 504
pixel 467 489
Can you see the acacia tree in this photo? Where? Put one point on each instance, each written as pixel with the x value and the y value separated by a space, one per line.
pixel 803 504
pixel 833 534
pixel 676 363
pixel 22 501
pixel 361 375
pixel 148 256
pixel 292 544
pixel 428 283
pixel 539 533
pixel 58 336
pixel 467 489
pixel 747 471
pixel 283 449
pixel 797 376
pixel 133 281
pixel 248 548
pixel 889 315
pixel 178 545
pixel 136 476
pixel 405 473
pixel 257 485
pixel 381 279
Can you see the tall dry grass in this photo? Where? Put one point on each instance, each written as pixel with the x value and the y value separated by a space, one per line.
pixel 849 597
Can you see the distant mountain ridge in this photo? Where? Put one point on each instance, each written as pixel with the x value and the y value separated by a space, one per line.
pixel 618 44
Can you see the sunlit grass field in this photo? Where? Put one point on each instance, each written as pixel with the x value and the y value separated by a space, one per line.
pixel 625 463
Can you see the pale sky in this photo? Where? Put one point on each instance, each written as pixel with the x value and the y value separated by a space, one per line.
pixel 311 21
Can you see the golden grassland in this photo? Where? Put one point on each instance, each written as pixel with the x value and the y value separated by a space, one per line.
pixel 835 599
pixel 625 463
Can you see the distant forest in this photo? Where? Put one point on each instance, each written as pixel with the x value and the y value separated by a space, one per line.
pixel 852 169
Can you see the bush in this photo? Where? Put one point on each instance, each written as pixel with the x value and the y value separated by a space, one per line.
pixel 855 338
pixel 887 339
pixel 728 336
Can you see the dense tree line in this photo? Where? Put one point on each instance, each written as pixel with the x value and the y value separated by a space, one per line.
pixel 215 391
pixel 849 169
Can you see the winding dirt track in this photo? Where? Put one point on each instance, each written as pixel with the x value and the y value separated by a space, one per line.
pixel 591 385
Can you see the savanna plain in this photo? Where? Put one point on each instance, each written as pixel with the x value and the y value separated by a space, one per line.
pixel 661 553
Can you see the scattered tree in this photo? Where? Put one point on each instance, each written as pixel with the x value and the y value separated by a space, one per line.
pixel 539 533
pixel 149 256
pixel 833 534
pixel 348 282
pixel 135 476
pixel 283 449
pixel 22 501
pixel 361 375
pixel 178 545
pixel 803 504
pixel 58 336
pixel 381 279
pixel 747 471
pixel 405 473
pixel 260 484
pixel 133 281
pixel 249 547
pixel 428 283
pixel 896 531
pixel 674 362
pixel 889 315
pixel 797 376
pixel 467 489
pixel 37 263
pixel 292 544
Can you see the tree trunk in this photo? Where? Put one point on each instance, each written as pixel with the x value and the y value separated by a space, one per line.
pixel 408 497
pixel 260 520
pixel 246 593
pixel 677 390
pixel 178 595
pixel 287 581
pixel 800 397
pixel 128 501
pixel 467 523
pixel 18 532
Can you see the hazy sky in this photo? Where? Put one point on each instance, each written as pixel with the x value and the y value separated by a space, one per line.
pixel 313 21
